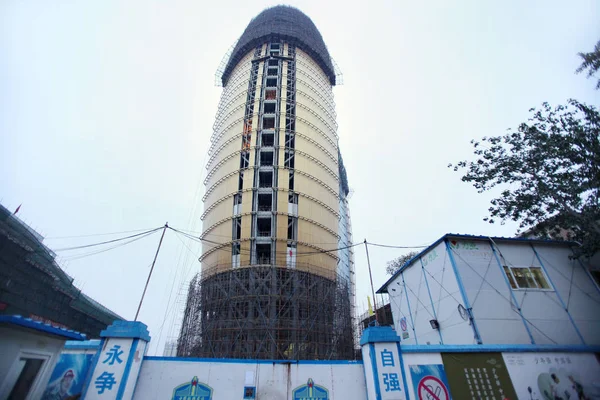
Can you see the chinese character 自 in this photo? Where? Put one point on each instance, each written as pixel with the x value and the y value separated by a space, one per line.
pixel 105 381
pixel 114 354
pixel 391 382
pixel 387 358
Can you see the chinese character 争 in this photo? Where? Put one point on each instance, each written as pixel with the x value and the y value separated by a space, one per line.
pixel 112 355
pixel 387 358
pixel 105 381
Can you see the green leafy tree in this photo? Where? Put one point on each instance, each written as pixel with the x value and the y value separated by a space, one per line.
pixel 396 263
pixel 549 173
pixel 591 62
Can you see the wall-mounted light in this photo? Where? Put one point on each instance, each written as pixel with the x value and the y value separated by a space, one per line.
pixel 434 324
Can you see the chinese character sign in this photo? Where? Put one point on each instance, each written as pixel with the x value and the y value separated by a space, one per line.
pixel 554 375
pixel 389 371
pixel 108 372
pixel 474 376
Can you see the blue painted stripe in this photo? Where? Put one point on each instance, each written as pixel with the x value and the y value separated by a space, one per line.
pixel 431 299
pixel 90 374
pixel 374 368
pixel 125 377
pixel 409 310
pixel 463 292
pixel 507 348
pixel 87 344
pixel 41 327
pixel 403 372
pixel 558 294
pixel 512 293
pixel 252 361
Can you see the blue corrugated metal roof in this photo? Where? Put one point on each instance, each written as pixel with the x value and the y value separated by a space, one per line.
pixel 41 327
pixel 383 289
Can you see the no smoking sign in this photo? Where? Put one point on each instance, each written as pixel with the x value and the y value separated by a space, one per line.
pixel 431 388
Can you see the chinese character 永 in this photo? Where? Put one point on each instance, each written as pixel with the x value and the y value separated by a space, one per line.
pixel 114 354
pixel 105 381
pixel 387 358
pixel 391 382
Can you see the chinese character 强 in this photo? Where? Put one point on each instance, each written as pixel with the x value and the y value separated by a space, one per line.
pixel 387 358
pixel 105 381
pixel 391 382
pixel 114 354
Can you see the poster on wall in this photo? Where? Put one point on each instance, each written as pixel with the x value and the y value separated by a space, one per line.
pixel 554 376
pixel 474 376
pixel 68 376
pixel 430 382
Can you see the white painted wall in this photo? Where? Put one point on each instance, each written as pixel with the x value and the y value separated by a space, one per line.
pixel 16 343
pixel 158 378
pixel 489 295
pixel 445 298
pixel 577 289
pixel 496 313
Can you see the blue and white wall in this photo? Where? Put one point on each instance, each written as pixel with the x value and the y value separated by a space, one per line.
pixel 228 378
pixel 390 370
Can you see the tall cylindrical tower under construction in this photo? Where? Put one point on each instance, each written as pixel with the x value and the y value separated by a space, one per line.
pixel 277 278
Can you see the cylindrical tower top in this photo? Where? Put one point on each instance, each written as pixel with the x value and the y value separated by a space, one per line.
pixel 283 23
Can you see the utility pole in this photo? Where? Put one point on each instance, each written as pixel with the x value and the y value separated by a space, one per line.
pixel 372 288
pixel 151 269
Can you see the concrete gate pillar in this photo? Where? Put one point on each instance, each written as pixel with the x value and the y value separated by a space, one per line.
pixel 384 368
pixel 116 366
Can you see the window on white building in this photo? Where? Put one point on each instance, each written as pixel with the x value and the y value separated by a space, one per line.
pixel 526 278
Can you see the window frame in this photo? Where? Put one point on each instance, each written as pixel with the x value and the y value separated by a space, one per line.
pixel 15 371
pixel 514 283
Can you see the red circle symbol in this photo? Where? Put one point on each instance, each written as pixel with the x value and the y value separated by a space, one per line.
pixel 403 324
pixel 431 388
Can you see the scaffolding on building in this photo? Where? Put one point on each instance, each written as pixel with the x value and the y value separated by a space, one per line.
pixel 267 312
pixel 33 285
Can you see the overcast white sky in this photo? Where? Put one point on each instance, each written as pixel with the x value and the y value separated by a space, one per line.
pixel 106 109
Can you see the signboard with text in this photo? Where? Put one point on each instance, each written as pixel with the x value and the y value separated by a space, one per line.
pixel 554 376
pixel 474 376
pixel 389 371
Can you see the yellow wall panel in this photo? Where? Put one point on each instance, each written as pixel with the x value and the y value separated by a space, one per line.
pixel 315 121
pixel 315 235
pixel 221 210
pixel 230 165
pixel 315 211
pixel 282 221
pixel 308 131
pixel 223 189
pixel 283 178
pixel 316 190
pixel 224 150
pixel 304 145
pixel 318 171
pixel 245 253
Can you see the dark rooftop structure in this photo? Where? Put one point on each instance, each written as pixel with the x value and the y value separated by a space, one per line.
pixel 282 23
pixel 34 286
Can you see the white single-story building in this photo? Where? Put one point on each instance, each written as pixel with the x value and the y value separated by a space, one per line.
pixel 466 289
pixel 29 351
